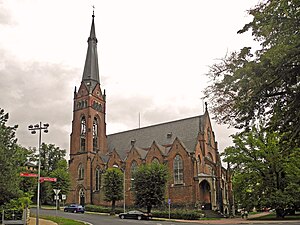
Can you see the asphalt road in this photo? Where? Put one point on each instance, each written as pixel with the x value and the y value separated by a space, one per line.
pixel 97 219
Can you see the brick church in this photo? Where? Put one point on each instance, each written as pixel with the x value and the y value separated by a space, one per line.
pixel 187 146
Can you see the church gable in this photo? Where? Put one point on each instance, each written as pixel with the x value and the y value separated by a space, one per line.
pixel 82 91
pixel 97 92
pixel 180 164
pixel 155 153
pixel 177 148
pixel 136 154
pixel 98 162
pixel 208 144
pixel 114 160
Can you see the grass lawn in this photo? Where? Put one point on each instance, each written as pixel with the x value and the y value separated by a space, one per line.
pixel 272 216
pixel 62 221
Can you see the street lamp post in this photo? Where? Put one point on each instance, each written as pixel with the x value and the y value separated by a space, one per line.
pixel 33 129
pixel 124 191
pixel 124 185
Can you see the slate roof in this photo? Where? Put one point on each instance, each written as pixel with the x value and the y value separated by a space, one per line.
pixel 91 71
pixel 142 152
pixel 186 130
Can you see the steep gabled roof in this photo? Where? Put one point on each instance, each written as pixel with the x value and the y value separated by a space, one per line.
pixel 186 130
pixel 141 152
pixel 161 148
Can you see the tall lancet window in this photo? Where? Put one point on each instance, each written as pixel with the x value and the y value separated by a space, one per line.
pixel 133 167
pixel 209 137
pixel 82 133
pixel 80 172
pixel 98 179
pixel 95 135
pixel 178 170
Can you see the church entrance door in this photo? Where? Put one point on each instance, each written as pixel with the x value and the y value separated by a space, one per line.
pixel 205 195
pixel 81 197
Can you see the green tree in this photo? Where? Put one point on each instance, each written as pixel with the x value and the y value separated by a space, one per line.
pixel 9 161
pixel 149 183
pixel 247 86
pixel 27 184
pixel 264 174
pixel 12 159
pixel 113 186
pixel 63 177
pixel 53 162
pixel 50 157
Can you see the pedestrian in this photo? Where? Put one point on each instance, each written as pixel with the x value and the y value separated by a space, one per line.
pixel 246 214
pixel 243 213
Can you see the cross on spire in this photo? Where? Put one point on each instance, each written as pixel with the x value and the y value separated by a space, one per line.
pixel 93 10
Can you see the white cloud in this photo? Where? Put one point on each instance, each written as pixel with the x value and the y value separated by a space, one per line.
pixel 153 57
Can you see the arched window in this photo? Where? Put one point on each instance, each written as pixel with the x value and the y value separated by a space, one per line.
pixel 82 133
pixel 209 137
pixel 80 172
pixel 133 167
pixel 155 160
pixel 97 179
pixel 178 170
pixel 95 135
pixel 198 164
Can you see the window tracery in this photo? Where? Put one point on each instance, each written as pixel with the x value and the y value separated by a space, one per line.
pixel 178 170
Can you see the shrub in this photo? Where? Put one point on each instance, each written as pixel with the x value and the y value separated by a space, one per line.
pixel 101 209
pixel 178 214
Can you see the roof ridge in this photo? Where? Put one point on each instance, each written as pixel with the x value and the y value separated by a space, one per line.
pixel 154 125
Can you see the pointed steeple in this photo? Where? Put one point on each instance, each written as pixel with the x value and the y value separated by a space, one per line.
pixel 91 71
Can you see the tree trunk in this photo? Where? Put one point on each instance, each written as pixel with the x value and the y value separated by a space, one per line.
pixel 280 213
pixel 113 207
pixel 149 207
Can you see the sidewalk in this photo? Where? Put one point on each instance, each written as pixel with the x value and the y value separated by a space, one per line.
pixel 238 220
pixel 32 221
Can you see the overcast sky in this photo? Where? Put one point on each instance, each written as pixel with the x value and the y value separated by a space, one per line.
pixel 153 57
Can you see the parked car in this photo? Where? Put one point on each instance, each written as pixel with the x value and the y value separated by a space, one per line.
pixel 75 208
pixel 135 214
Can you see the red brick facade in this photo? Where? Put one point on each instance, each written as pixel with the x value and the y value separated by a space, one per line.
pixel 188 148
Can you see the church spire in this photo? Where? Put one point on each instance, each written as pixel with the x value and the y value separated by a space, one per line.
pixel 91 71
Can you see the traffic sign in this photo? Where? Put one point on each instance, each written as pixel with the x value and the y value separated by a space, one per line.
pixel 51 179
pixel 56 191
pixel 28 175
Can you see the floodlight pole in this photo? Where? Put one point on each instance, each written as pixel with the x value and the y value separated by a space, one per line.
pixel 33 129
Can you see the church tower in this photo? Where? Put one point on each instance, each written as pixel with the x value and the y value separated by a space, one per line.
pixel 88 137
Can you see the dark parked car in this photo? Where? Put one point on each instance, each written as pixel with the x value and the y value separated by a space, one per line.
pixel 135 215
pixel 75 208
